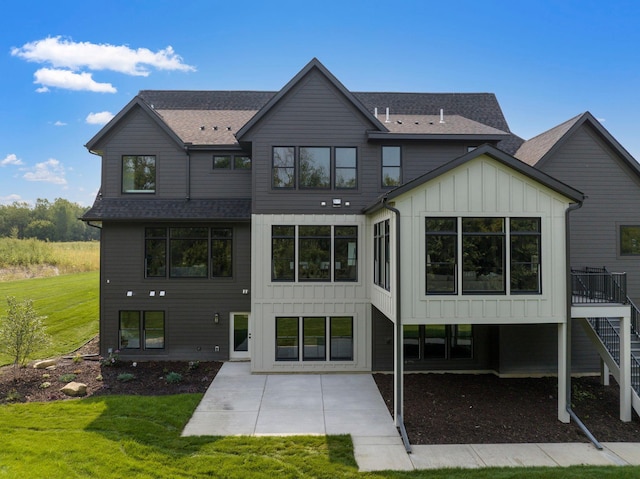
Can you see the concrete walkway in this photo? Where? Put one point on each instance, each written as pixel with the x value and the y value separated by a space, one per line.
pixel 239 403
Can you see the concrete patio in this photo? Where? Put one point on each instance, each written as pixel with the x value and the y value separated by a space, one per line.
pixel 241 403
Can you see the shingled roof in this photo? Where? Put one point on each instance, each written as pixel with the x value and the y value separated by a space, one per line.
pixel 126 209
pixel 533 150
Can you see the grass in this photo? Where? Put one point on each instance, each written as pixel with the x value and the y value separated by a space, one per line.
pixel 70 302
pixel 136 436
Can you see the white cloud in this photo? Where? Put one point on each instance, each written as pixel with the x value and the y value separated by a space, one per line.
pixel 50 77
pixel 65 53
pixel 59 123
pixel 10 159
pixel 50 171
pixel 6 200
pixel 101 118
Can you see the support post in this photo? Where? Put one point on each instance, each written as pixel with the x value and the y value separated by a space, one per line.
pixel 604 373
pixel 625 368
pixel 563 414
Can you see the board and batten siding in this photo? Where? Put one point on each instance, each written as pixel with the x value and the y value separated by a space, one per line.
pixel 189 303
pixel 483 187
pixel 271 299
pixel 137 134
pixel 588 164
pixel 384 301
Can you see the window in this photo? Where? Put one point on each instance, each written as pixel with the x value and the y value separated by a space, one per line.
pixel 483 241
pixel 314 338
pixel 241 162
pixel 284 167
pixel 629 240
pixel 148 325
pixel 222 162
pixel 188 252
pixel 314 252
pixel 283 253
pixel 474 249
pixel 437 341
pixel 391 166
pixel 287 339
pixel 315 167
pixel 381 255
pixel 345 253
pixel 155 252
pixel 221 252
pixel 525 255
pixel 346 171
pixel 138 174
pixel 324 253
pixel 442 255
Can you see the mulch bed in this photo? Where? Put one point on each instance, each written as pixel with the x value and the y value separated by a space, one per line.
pixel 438 408
pixel 485 409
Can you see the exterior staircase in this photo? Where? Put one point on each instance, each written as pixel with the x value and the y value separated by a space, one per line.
pixel 598 286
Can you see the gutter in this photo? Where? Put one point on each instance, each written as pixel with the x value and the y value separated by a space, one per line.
pixel 572 415
pixel 399 370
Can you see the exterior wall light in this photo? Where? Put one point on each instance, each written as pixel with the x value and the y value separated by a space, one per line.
pixel 216 318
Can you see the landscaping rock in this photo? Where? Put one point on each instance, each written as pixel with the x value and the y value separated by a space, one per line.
pixel 75 389
pixel 44 364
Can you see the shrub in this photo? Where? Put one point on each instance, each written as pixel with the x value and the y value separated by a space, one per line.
pixel 193 365
pixel 78 358
pixel 67 378
pixel 112 359
pixel 125 377
pixel 22 331
pixel 45 385
pixel 173 378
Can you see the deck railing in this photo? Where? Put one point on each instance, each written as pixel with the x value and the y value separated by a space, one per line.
pixel 597 285
pixel 608 335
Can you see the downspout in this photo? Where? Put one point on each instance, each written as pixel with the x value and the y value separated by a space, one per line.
pixel 399 386
pixel 572 415
pixel 188 196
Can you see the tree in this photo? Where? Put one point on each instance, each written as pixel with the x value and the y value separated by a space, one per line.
pixel 21 331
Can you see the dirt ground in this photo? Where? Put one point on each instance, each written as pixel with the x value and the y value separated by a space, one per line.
pixel 438 408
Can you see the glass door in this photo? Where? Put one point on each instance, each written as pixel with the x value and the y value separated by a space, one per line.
pixel 240 336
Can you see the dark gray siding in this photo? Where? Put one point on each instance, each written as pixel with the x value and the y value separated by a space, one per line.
pixel 613 197
pixel 189 304
pixel 382 339
pixel 209 183
pixel 138 134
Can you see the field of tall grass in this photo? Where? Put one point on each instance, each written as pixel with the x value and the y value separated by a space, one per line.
pixel 28 258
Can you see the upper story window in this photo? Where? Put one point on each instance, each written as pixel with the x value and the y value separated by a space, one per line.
pixel 314 167
pixel 475 250
pixel 185 252
pixel 382 255
pixel 321 252
pixel 138 174
pixel 629 240
pixel 228 162
pixel 391 166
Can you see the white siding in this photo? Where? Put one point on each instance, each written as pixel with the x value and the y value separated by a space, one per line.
pixel 271 299
pixel 483 187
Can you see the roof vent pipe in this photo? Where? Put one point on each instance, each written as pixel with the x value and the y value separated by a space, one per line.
pixel 387 118
pixel 375 112
pixel 441 115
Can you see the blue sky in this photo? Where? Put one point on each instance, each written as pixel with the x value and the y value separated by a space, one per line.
pixel 67 66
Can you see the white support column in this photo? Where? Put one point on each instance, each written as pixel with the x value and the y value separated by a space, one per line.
pixel 625 368
pixel 563 414
pixel 604 373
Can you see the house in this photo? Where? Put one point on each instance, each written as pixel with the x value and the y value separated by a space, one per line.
pixel 319 229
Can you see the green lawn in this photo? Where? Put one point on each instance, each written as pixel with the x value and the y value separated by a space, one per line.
pixel 70 302
pixel 134 436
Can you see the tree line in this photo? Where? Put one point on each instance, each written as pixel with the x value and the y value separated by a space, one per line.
pixel 47 221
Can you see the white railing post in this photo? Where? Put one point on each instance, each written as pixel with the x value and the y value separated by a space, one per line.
pixel 625 368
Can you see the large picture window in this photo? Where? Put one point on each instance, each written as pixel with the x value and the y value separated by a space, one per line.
pixel 323 252
pixel 141 330
pixel 472 252
pixel 312 345
pixel 315 167
pixel 138 174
